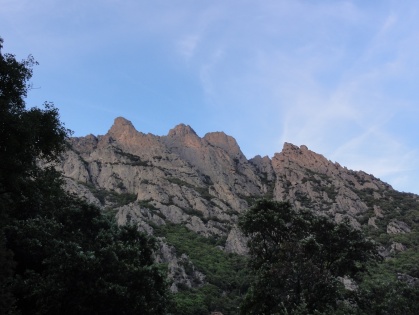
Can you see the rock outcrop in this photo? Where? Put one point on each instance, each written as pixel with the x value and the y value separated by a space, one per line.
pixel 205 183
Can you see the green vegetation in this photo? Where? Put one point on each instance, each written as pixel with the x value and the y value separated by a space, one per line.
pixel 59 255
pixel 226 274
pixel 77 261
pixel 179 182
pixel 297 257
pixel 394 204
pixel 250 200
pixel 104 196
pixel 147 204
pixel 321 183
pixel 203 191
pixel 381 292
pixel 194 212
pixel 133 160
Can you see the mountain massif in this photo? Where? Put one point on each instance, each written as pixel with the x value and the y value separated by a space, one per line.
pixel 196 198
pixel 182 184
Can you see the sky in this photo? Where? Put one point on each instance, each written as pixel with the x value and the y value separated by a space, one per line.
pixel 340 77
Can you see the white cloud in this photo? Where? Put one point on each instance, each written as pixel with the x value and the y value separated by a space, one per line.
pixel 206 73
pixel 330 74
pixel 188 45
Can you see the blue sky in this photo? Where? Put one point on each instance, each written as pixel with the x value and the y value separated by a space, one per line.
pixel 338 76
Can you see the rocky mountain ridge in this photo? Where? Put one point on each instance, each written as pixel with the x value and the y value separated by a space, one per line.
pixel 205 183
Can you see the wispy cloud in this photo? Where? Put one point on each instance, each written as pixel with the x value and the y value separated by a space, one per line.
pixel 337 76
pixel 187 45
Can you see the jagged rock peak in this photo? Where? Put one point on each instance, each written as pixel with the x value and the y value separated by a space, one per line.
pixel 260 158
pixel 122 126
pixel 294 156
pixel 223 141
pixel 181 130
pixel 289 147
pixel 302 154
pixel 84 144
pixel 123 132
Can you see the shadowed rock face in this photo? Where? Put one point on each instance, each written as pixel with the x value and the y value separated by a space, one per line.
pixel 205 183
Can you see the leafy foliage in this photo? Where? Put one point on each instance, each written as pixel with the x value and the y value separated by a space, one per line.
pixel 394 205
pixel 384 289
pixel 133 159
pixel 226 274
pixel 59 255
pixel 382 292
pixel 76 261
pixel 25 136
pixel 297 258
pixel 105 196
pixel 387 297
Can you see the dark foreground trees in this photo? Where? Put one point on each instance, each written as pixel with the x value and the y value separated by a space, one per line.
pixel 77 261
pixel 25 136
pixel 298 259
pixel 59 255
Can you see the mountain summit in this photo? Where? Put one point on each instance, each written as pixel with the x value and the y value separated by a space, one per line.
pixel 203 184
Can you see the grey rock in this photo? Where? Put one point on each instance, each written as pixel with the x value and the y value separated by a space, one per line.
pixel 205 183
pixel 397 227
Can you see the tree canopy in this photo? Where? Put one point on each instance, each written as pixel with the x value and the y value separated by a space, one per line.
pixel 77 261
pixel 26 136
pixel 59 255
pixel 299 258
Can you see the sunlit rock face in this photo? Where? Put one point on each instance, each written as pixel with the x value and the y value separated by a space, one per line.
pixel 205 183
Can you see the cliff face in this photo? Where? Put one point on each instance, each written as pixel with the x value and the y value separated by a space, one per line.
pixel 205 183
